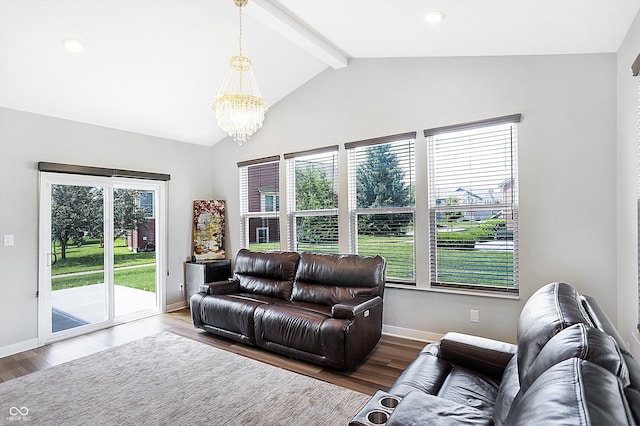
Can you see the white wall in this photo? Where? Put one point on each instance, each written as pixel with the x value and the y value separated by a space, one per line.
pixel 627 161
pixel 26 139
pixel 567 163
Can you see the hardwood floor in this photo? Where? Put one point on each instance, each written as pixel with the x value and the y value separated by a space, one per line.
pixel 378 371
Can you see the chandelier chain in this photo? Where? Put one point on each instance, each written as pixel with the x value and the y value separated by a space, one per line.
pixel 240 32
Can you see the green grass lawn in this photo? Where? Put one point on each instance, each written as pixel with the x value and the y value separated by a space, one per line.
pixel 143 278
pixel 265 246
pixel 90 257
pixel 397 250
pixel 470 266
pixel 486 267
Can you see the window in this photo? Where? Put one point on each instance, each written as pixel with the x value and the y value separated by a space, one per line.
pixel 312 204
pixel 146 203
pixel 382 202
pixel 270 202
pixel 260 203
pixel 473 216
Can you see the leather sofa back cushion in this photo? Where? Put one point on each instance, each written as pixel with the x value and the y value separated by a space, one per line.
pixel 579 341
pixel 550 309
pixel 270 274
pixel 574 391
pixel 328 279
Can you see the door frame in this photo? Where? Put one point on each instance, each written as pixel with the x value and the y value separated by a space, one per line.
pixel 47 179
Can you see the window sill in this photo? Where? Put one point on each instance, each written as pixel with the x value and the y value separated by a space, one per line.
pixel 463 292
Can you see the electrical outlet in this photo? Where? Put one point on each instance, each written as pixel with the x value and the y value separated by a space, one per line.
pixel 8 240
pixel 474 315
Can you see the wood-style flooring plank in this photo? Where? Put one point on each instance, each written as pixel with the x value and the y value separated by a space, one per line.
pixel 378 371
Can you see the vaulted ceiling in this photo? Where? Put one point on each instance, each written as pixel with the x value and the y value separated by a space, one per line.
pixel 153 66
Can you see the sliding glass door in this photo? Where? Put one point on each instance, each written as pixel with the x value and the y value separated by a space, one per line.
pixel 99 239
pixel 77 256
pixel 134 260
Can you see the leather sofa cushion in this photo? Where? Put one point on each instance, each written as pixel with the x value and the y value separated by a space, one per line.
pixel 432 375
pixel 232 313
pixel 633 397
pixel 330 279
pixel 574 391
pixel 469 388
pixel 418 408
pixel 426 373
pixel 509 387
pixel 267 273
pixel 295 327
pixel 579 341
pixel 550 309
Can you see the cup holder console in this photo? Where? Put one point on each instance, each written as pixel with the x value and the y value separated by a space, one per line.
pixel 377 411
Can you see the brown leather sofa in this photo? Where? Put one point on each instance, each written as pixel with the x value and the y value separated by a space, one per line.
pixel 321 308
pixel 569 367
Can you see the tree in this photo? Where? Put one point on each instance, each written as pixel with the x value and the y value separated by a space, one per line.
pixel 127 212
pixel 381 179
pixel 314 191
pixel 381 184
pixel 74 211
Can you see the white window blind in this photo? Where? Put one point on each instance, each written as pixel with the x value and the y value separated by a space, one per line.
pixel 260 203
pixel 382 202
pixel 312 200
pixel 473 215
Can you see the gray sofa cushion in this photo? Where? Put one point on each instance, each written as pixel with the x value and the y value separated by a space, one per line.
pixel 579 341
pixel 574 391
pixel 552 308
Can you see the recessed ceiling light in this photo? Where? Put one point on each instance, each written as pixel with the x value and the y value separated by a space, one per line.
pixel 434 16
pixel 72 44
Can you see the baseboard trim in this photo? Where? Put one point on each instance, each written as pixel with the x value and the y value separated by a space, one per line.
pixel 18 347
pixel 175 307
pixel 408 333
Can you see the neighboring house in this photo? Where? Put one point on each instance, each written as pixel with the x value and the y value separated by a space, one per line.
pixel 263 196
pixel 143 238
pixel 469 198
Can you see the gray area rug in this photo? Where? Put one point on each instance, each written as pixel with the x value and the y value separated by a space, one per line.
pixel 166 379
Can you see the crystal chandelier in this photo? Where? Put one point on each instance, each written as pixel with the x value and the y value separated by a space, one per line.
pixel 239 107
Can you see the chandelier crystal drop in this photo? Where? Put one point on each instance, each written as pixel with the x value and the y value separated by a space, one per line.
pixel 239 106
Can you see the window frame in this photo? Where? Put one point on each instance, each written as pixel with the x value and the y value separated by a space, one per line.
pixel 511 206
pixel 353 151
pixel 245 214
pixel 293 214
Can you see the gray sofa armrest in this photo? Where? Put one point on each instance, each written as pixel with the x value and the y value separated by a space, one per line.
pixel 220 287
pixel 487 356
pixel 349 309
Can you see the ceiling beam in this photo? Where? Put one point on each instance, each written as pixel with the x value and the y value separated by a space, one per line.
pixel 287 26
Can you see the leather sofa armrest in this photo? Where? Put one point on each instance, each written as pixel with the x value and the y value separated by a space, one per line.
pixel 220 287
pixel 484 355
pixel 349 309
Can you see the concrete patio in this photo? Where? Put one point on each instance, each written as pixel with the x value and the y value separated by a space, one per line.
pixel 88 302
